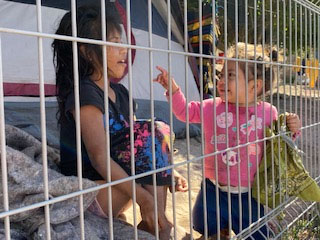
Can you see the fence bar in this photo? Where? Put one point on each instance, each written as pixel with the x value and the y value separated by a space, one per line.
pixel 215 125
pixel 307 41
pixel 134 197
pixel 237 114
pixel 106 115
pixel 77 112
pixel 3 152
pixel 43 121
pixel 152 117
pixel 186 45
pixel 246 105
pixel 205 215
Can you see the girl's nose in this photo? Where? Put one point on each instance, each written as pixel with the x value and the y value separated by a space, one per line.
pixel 123 50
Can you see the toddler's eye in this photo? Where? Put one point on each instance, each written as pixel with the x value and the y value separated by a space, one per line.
pixel 231 75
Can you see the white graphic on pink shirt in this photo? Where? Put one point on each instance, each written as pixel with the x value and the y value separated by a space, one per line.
pixel 230 158
pixel 220 139
pixel 221 120
pixel 252 150
pixel 251 125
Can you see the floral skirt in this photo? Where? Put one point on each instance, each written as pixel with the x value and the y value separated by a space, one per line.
pixel 142 151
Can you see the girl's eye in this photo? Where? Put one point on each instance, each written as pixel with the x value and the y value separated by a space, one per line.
pixel 115 40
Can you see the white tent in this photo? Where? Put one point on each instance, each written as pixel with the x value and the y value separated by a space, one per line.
pixel 20 52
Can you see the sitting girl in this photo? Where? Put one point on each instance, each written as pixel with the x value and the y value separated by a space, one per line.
pixel 92 110
pixel 244 123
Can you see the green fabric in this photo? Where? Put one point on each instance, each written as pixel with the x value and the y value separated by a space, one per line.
pixel 290 177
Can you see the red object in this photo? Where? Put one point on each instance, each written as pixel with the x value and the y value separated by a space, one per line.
pixel 220 60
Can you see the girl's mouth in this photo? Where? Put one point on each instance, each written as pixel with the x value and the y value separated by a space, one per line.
pixel 124 61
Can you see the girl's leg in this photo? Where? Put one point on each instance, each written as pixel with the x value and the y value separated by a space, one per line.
pixel 120 202
pixel 162 202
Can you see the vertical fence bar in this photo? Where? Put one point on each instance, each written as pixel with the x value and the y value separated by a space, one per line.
pixel 77 111
pixel 305 85
pixel 318 93
pixel 300 102
pixel 310 90
pixel 152 117
pixel 201 120
pixel 237 113
pixel 263 111
pixel 43 121
pixel 271 102
pixel 278 94
pixel 3 152
pixel 314 97
pixel 171 117
pixel 106 115
pixel 246 105
pixel 186 43
pixel 214 50
pixel 134 197
pixel 226 116
pixel 285 84
pixel 296 55
pixel 255 103
pixel 290 55
pixel 304 140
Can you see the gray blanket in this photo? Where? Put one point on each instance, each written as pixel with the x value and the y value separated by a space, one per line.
pixel 26 187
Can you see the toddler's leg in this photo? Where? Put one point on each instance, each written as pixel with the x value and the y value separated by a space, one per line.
pixel 198 214
pixel 262 233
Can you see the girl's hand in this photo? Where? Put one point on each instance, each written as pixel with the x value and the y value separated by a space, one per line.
pixel 293 122
pixel 181 183
pixel 162 78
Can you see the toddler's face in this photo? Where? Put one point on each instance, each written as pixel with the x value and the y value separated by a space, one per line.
pixel 230 92
pixel 116 57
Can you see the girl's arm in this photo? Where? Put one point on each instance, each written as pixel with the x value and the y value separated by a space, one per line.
pixel 94 138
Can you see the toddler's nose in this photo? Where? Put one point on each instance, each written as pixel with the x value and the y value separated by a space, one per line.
pixel 220 81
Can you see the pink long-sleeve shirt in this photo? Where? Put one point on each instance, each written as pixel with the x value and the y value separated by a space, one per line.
pixel 250 129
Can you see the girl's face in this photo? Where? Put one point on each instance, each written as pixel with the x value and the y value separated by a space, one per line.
pixel 232 79
pixel 116 56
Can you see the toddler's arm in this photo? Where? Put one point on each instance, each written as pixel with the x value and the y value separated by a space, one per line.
pixel 179 100
pixel 162 78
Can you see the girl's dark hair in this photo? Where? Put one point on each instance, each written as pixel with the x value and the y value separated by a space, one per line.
pixel 260 58
pixel 88 26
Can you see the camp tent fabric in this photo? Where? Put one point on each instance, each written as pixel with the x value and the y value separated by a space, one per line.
pixel 20 52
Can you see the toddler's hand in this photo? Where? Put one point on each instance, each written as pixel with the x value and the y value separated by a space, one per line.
pixel 162 78
pixel 293 122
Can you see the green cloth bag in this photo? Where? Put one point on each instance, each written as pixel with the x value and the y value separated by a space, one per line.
pixel 290 176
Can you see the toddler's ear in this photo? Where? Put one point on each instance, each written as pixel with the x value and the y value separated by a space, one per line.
pixel 259 86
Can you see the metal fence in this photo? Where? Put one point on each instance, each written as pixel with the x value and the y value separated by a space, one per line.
pixel 289 27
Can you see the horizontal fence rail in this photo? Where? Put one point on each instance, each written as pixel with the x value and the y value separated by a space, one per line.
pixel 268 39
